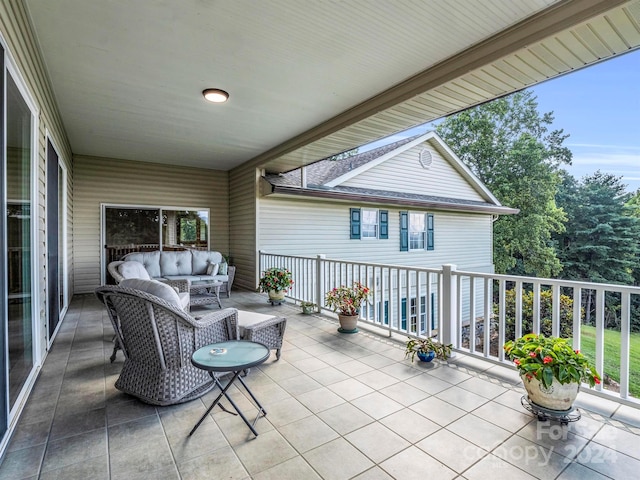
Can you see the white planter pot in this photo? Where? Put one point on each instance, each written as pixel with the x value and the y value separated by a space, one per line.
pixel 557 397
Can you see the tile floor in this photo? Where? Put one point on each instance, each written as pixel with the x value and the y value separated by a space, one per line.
pixel 339 407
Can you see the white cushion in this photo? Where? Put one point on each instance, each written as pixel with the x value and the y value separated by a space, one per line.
pixel 134 270
pixel 154 287
pixel 246 319
pixel 212 269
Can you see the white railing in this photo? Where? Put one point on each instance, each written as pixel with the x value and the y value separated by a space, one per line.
pixel 452 305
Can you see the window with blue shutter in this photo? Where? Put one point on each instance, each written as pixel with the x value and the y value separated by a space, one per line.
pixel 430 244
pixel 355 223
pixel 404 232
pixel 384 317
pixel 384 224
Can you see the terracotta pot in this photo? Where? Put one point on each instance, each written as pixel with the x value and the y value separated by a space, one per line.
pixel 557 397
pixel 348 322
pixel 276 295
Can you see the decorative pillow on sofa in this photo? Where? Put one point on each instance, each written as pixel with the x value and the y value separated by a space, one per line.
pixel 159 289
pixel 222 270
pixel 212 269
pixel 133 269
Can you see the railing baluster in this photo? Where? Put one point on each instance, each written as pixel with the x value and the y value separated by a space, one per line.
pixel 600 333
pixel 625 336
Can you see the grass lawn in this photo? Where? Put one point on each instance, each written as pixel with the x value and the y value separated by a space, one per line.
pixel 612 355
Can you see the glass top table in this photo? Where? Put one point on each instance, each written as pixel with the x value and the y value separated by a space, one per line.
pixel 231 356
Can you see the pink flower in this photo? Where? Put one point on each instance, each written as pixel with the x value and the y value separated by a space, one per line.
pixel 532 354
pixel 547 359
pixel 597 380
pixel 516 361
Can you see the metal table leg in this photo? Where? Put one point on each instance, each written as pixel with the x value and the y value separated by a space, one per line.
pixel 223 392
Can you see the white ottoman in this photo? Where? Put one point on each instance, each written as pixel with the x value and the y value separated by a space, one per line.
pixel 261 328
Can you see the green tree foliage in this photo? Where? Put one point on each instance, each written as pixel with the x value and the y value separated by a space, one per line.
pixel 508 145
pixel 546 314
pixel 601 241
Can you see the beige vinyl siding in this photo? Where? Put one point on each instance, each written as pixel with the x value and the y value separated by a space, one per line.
pixel 20 44
pixel 440 179
pixel 112 181
pixel 311 227
pixel 243 184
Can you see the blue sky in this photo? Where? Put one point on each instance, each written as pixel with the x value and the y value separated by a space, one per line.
pixel 599 107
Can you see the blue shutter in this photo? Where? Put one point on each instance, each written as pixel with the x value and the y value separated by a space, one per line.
pixel 386 312
pixel 404 314
pixel 355 223
pixel 429 231
pixel 383 220
pixel 404 231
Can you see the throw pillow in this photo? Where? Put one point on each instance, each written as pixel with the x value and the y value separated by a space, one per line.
pixel 132 269
pixel 154 287
pixel 222 270
pixel 212 269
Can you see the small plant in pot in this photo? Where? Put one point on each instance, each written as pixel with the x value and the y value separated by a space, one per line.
pixel 276 281
pixel 427 349
pixel 551 369
pixel 307 307
pixel 346 301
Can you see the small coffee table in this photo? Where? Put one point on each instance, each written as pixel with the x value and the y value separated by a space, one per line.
pixel 231 356
pixel 205 293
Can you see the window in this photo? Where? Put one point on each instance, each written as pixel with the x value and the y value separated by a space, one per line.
pixel 416 231
pixel 414 326
pixel 368 223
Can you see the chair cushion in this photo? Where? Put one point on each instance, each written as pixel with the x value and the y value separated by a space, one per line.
pixel 246 319
pixel 201 260
pixel 150 260
pixel 133 269
pixel 154 287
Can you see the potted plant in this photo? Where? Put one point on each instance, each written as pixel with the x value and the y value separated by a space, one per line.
pixel 346 301
pixel 551 369
pixel 276 281
pixel 307 307
pixel 427 349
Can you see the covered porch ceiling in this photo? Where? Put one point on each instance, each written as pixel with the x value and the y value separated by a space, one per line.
pixel 306 78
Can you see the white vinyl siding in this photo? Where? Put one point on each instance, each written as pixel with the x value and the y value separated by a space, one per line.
pixel 309 227
pixel 122 182
pixel 403 173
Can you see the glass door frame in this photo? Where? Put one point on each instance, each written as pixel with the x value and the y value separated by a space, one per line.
pixel 63 290
pixel 103 220
pixel 36 325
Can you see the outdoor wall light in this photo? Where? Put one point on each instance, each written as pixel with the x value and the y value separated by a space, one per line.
pixel 215 95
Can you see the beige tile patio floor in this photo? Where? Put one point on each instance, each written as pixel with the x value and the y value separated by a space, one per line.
pixel 339 407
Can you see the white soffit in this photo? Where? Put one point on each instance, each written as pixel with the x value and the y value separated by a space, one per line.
pixel 615 32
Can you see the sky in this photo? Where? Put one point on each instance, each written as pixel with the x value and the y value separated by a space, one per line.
pixel 599 107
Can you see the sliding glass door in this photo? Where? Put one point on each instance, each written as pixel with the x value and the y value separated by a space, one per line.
pixel 129 229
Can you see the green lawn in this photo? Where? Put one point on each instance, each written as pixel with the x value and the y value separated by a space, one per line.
pixel 612 355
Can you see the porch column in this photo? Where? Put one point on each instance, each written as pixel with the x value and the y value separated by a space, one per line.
pixel 449 306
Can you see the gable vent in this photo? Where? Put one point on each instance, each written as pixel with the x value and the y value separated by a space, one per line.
pixel 425 158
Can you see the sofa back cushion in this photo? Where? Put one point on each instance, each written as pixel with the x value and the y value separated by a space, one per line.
pixel 154 287
pixel 202 260
pixel 175 263
pixel 150 260
pixel 132 269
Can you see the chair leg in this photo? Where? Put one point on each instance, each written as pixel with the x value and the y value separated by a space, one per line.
pixel 277 354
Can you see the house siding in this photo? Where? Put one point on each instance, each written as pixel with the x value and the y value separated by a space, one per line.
pixel 112 181
pixel 243 197
pixel 441 179
pixel 310 227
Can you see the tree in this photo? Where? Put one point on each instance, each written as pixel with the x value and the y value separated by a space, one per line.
pixel 600 243
pixel 508 145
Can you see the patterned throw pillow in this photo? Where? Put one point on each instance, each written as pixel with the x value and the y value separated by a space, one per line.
pixel 223 269
pixel 212 269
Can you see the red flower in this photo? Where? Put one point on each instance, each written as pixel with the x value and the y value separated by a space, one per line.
pixel 517 361
pixel 547 359
pixel 597 380
pixel 577 351
pixel 532 354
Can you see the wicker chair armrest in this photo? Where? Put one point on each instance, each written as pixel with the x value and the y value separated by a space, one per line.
pixel 113 270
pixel 216 327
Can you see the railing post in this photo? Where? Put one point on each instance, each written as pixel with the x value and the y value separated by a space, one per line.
pixel 449 313
pixel 318 300
pixel 260 263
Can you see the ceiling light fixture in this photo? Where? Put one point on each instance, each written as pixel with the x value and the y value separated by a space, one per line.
pixel 215 95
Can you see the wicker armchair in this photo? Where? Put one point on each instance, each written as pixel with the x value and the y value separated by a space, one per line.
pixel 158 339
